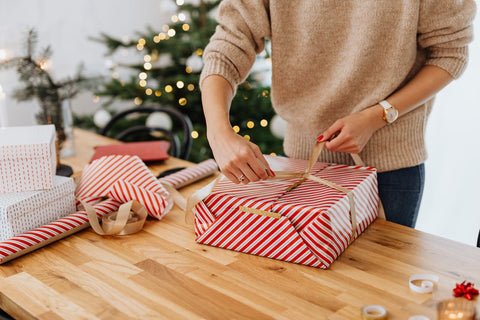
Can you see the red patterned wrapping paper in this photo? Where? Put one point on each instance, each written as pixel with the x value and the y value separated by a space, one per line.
pixel 314 227
pixel 107 185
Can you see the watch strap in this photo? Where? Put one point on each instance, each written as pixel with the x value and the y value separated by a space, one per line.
pixel 385 104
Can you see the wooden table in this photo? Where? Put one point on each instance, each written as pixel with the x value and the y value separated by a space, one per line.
pixel 161 273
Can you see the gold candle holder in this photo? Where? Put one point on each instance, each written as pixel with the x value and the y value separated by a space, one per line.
pixel 456 309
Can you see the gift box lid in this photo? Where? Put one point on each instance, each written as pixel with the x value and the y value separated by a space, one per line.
pixel 27 135
pixel 17 204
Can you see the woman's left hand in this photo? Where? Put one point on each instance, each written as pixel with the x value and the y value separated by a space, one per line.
pixel 351 133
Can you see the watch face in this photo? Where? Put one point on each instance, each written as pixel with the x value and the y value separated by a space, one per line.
pixel 391 115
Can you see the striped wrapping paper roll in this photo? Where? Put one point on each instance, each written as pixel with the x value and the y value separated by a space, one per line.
pixel 94 184
pixel 46 234
pixel 191 174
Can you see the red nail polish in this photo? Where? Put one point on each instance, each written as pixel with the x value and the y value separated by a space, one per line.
pixel 272 173
pixel 319 139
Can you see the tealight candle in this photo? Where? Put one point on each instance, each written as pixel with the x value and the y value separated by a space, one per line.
pixel 456 309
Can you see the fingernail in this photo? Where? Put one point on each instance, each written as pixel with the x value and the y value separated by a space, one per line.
pixel 272 173
pixel 319 139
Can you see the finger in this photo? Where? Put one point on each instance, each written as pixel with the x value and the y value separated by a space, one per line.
pixel 249 173
pixel 263 163
pixel 231 177
pixel 330 132
pixel 336 143
pixel 239 175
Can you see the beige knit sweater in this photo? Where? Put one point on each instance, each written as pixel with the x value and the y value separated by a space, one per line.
pixel 331 58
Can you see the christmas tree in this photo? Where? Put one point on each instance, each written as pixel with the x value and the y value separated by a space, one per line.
pixel 168 71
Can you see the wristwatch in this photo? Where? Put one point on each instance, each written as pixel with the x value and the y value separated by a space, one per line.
pixel 390 113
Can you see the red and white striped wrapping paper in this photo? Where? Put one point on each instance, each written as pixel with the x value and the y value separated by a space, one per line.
pixel 124 178
pixel 119 177
pixel 314 228
pixel 191 174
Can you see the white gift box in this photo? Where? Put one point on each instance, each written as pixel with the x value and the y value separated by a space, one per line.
pixel 24 211
pixel 27 158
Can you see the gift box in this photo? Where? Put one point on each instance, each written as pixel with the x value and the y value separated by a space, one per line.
pixel 27 158
pixel 24 211
pixel 309 217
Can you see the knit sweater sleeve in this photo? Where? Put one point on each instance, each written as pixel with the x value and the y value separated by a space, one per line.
pixel 240 35
pixel 444 30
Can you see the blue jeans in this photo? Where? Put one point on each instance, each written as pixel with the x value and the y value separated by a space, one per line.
pixel 401 193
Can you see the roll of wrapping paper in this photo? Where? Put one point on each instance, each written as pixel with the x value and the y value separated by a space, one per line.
pixel 75 222
pixel 190 175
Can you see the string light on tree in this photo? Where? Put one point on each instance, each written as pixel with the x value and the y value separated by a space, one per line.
pixel 171 32
pixel 137 101
pixel 236 129
pixel 185 27
pixel 181 16
pixel 168 88
pixel 174 18
pixel 182 101
pixel 263 123
pixel 250 124
pixel 191 87
pixel 180 84
pixel 180 2
pixel 194 134
pixel 148 92
pixel 142 75
pixel 147 66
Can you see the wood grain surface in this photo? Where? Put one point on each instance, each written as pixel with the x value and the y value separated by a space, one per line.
pixel 161 273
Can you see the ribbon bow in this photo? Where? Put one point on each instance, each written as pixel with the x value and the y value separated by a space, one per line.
pixel 466 290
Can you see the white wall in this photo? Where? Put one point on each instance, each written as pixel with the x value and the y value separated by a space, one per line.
pixel 449 208
pixel 67 27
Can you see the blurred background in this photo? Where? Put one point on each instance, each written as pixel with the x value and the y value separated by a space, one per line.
pixel 149 52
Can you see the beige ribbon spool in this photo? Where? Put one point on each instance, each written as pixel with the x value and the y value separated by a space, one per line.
pixel 129 219
pixel 374 312
pixel 202 193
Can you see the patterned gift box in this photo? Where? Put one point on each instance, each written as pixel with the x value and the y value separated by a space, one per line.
pixel 27 158
pixel 309 224
pixel 24 211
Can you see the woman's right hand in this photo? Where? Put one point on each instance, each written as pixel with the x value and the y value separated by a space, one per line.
pixel 240 160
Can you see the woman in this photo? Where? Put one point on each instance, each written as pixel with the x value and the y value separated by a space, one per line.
pixel 360 75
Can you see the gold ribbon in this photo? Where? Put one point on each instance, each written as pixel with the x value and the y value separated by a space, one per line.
pixel 202 193
pixel 129 219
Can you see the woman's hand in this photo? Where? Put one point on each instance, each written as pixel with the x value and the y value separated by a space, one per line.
pixel 239 159
pixel 351 133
